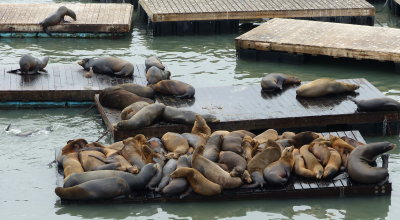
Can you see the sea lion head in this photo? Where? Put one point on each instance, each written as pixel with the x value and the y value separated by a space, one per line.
pixel 71 14
pixel 44 62
pixel 292 80
pixel 74 146
pixel 84 61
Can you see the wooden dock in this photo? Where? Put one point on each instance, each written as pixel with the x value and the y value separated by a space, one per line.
pixel 340 186
pixel 63 82
pixel 194 16
pixel 246 107
pixel 315 38
pixel 22 20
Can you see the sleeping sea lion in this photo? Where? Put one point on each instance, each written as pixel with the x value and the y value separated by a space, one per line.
pixel 320 151
pixel 155 75
pixel 303 138
pixel 333 165
pixel 180 116
pixel 89 162
pixel 108 66
pixel 377 104
pixel 133 150
pixel 143 118
pixel 270 134
pixel 311 162
pixel 174 88
pixel 233 142
pixel 275 81
pixel 325 86
pixel 137 89
pixel 235 163
pixel 177 185
pixel 31 65
pixel 278 172
pixel 115 97
pixel 68 157
pixel 168 168
pixel 175 144
pixel 57 17
pixel 194 140
pixel 342 147
pixel 154 61
pixel 213 147
pixel 300 167
pixel 247 145
pixel 132 109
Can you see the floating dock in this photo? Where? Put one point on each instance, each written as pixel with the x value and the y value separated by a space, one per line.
pixel 340 186
pixel 222 16
pixel 299 37
pixel 93 20
pixel 63 82
pixel 246 107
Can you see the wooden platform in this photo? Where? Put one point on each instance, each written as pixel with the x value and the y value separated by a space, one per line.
pixel 64 82
pixel 322 38
pixel 246 107
pixel 23 19
pixel 194 16
pixel 340 186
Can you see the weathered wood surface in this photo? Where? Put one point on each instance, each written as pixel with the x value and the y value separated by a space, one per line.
pixel 296 187
pixel 246 107
pixel 97 18
pixel 63 82
pixel 323 38
pixel 192 10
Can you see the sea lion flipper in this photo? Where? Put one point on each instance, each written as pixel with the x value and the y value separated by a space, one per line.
pixel 14 71
pixel 385 160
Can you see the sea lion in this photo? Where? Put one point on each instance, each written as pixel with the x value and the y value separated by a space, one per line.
pixel 154 61
pixel 287 135
pixel 269 134
pixel 57 17
pixel 300 167
pixel 137 89
pixel 108 66
pixel 107 188
pixel 68 157
pixel 175 143
pixel 325 86
pixel 342 147
pixel 31 65
pixel 89 162
pixel 220 132
pixel 155 75
pixel 177 185
pixel 377 104
pixel 200 127
pixel 180 116
pixel 175 88
pixel 256 166
pixel 311 162
pixel 155 180
pixel 351 141
pixel 136 182
pixel 115 97
pixel 236 163
pixel 133 150
pixel 132 109
pixel 303 138
pixel 169 167
pixel 212 171
pixel 157 146
pixel 143 118
pixel 116 146
pixel 247 145
pixel 275 81
pixel 197 181
pixel 213 147
pixel 194 140
pixel 233 142
pixel 320 151
pixel 278 172
pixel 333 165
pixel 248 133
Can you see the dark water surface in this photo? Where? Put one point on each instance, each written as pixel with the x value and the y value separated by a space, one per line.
pixel 27 183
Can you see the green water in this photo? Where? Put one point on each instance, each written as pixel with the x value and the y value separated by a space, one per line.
pixel 27 183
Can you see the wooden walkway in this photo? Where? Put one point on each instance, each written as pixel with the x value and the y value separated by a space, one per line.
pixel 91 18
pixel 246 107
pixel 297 187
pixel 64 82
pixel 322 38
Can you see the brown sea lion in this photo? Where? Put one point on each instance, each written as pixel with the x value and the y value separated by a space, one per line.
pixel 153 61
pixel 132 109
pixel 275 81
pixel 311 162
pixel 68 157
pixel 116 145
pixel 200 127
pixel 175 88
pixel 175 144
pixel 236 163
pixel 303 138
pixel 361 163
pixel 178 185
pixel 269 134
pixel 233 142
pixel 197 181
pixel 351 141
pixel 212 171
pixel 333 165
pixel 195 140
pixel 248 133
pixel 300 167
pixel 247 145
pixel 213 147
pixel 287 135
pixel 115 97
pixel 108 66
pixel 31 65
pixel 155 75
pixel 89 162
pixel 220 132
pixel 180 116
pixel 325 86
pixel 377 104
pixel 342 147
pixel 320 151
pixel 57 17
pixel 143 118
pixel 134 152
pixel 143 91
pixel 278 172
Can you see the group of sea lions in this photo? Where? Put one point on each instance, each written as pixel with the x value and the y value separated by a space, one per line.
pixel 208 162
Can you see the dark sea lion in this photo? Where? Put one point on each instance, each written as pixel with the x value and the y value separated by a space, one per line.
pixel 175 144
pixel 136 182
pixel 194 140
pixel 137 89
pixel 333 165
pixel 108 66
pixel 311 162
pixel 278 172
pixel 178 185
pixel 175 88
pixel 143 118
pixel 154 61
pixel 362 158
pixel 212 171
pixel 132 109
pixel 320 151
pixel 300 167
pixel 57 17
pixel 275 81
pixel 303 138
pixel 155 180
pixel 377 104
pixel 233 142
pixel 69 159
pixel 325 86
pixel 236 163
pixel 31 65
pixel 180 116
pixel 168 168
pixel 115 97
pixel 200 127
pixel 155 75
pixel 198 182
pixel 107 188
pixel 269 134
pixel 213 147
